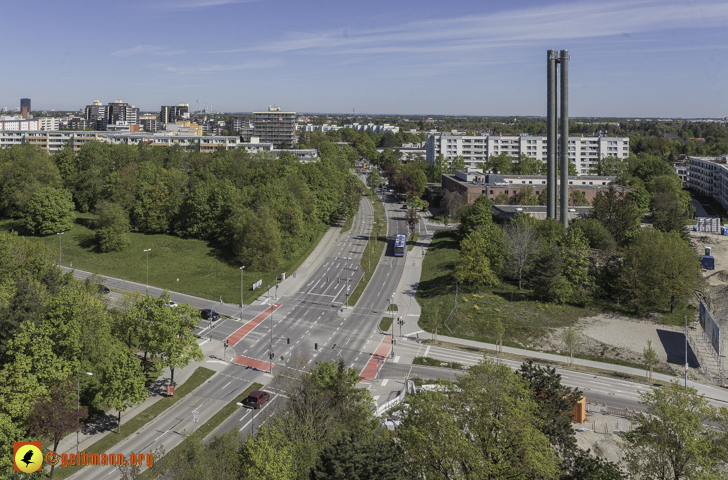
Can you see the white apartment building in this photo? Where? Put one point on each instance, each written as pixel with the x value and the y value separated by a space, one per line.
pixel 709 176
pixel 26 125
pixel 373 128
pixel 585 152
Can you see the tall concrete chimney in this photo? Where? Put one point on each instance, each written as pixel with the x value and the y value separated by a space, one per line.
pixel 551 168
pixel 564 61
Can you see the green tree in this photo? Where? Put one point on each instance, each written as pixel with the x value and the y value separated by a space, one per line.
pixel 486 428
pixel 255 240
pixel 457 163
pixel 611 167
pixel 673 441
pixel 595 234
pixel 576 265
pixel 477 216
pixel 373 179
pixel 529 166
pixel 500 163
pixel 420 180
pixel 578 199
pixel 440 168
pixel 658 268
pixel 24 169
pixel 556 404
pixel 474 266
pixel 585 467
pixel 123 383
pixel 525 196
pixel 355 456
pixel 650 356
pixel 571 342
pixel 616 212
pixel 112 227
pixel 49 211
pixel 179 345
pixel 266 457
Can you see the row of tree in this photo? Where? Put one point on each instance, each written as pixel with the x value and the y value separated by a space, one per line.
pixel 259 207
pixel 53 326
pixel 491 423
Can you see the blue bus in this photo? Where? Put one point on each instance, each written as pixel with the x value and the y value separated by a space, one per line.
pixel 400 246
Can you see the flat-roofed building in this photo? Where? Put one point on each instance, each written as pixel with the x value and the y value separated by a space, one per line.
pixel 708 176
pixel 584 152
pixel 171 114
pixel 473 183
pixel 276 127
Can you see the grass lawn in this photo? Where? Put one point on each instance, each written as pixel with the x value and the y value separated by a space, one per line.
pixel 150 413
pixel 207 427
pixel 525 319
pixel 431 362
pixel 373 251
pixel 385 324
pixel 194 267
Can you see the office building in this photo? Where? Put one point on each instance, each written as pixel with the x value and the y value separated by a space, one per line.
pixel 95 115
pixel 171 114
pixel 276 127
pixel 584 152
pixel 473 183
pixel 25 108
pixel 32 124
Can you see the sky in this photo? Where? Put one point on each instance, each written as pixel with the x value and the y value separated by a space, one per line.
pixel 634 58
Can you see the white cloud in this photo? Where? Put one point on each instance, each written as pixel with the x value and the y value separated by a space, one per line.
pixel 207 69
pixel 146 49
pixel 193 4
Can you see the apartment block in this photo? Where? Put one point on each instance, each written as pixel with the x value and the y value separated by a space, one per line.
pixel 171 114
pixel 15 123
pixel 276 127
pixel 584 152
pixel 119 111
pixel 25 108
pixel 709 176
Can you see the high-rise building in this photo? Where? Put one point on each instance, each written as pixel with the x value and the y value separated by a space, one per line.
pixel 96 116
pixel 119 111
pixel 25 107
pixel 171 114
pixel 276 127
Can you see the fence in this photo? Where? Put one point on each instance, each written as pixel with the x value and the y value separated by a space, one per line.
pixel 388 405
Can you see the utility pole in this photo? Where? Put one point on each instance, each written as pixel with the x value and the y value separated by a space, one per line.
pixel 686 351
pixel 60 246
pixel 241 289
pixel 147 251
pixel 270 352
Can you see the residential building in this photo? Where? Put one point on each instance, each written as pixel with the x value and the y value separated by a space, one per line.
pixel 119 111
pixel 122 127
pixel 18 123
pixel 708 176
pixel 473 183
pixel 316 128
pixel 171 114
pixel 681 168
pixel 184 128
pixel 150 124
pixel 584 152
pixel 276 127
pixel 370 127
pixel 25 108
pixel 96 116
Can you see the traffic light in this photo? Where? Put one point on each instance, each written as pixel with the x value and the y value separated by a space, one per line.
pixel 288 341
pixel 271 355
pixel 315 346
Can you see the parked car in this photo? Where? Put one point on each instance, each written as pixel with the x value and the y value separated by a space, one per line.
pixel 170 304
pixel 256 399
pixel 207 314
pixel 104 289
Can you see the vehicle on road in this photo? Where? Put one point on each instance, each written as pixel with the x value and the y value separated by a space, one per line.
pixel 256 399
pixel 104 289
pixel 207 314
pixel 400 245
pixel 170 304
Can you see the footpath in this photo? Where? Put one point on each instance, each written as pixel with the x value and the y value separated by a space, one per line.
pixel 106 424
pixel 411 311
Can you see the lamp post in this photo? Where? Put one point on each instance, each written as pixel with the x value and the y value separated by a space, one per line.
pixel 239 404
pixel 686 351
pixel 147 251
pixel 392 314
pixel 78 398
pixel 270 350
pixel 60 246
pixel 241 289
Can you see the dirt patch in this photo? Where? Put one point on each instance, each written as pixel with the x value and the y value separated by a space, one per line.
pixel 609 446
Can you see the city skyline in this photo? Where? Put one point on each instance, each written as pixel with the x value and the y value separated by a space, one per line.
pixel 628 59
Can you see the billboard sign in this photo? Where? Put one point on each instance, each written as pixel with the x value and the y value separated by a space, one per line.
pixel 710 327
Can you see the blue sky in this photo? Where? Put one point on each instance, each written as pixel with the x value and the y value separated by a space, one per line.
pixel 634 58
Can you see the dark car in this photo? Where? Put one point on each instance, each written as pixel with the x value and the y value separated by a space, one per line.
pixel 104 289
pixel 256 399
pixel 207 314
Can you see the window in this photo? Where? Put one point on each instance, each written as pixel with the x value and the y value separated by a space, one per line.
pixel 506 192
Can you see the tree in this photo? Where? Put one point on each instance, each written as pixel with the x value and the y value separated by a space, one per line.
pixel 123 383
pixel 673 441
pixel 595 234
pixel 576 265
pixel 420 182
pixel 355 456
pixel 522 241
pixel 56 416
pixel 112 227
pixel 501 164
pixel 266 457
pixel 457 163
pixel 556 404
pixel 529 166
pixel 611 167
pixel 571 341
pixel 585 467
pixel 578 199
pixel 502 199
pixel 650 356
pixel 658 268
pixel 486 428
pixel 49 211
pixel 525 196
pixel 482 256
pixel 24 169
pixel 616 212
pixel 373 179
pixel 412 219
pixel 477 216
pixel 179 346
pixel 499 331
pixel 452 202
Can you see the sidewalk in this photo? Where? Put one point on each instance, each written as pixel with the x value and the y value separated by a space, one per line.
pixel 410 310
pixel 212 360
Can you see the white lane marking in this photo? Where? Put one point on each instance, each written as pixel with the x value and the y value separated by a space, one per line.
pixel 384 382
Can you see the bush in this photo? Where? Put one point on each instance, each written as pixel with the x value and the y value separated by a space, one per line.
pixel 49 210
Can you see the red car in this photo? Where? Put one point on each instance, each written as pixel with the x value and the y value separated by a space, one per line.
pixel 256 399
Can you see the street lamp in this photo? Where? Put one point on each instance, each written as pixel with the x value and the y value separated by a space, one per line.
pixel 60 247
pixel 147 251
pixel 78 398
pixel 239 404
pixel 241 289
pixel 270 350
pixel 392 314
